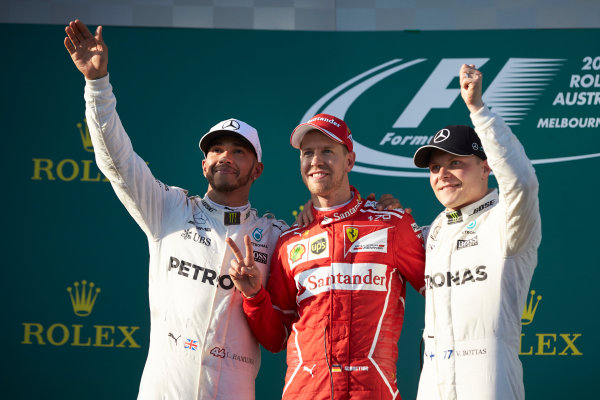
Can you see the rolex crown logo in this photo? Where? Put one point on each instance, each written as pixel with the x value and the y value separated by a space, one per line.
pixel 530 309
pixel 83 300
pixel 86 139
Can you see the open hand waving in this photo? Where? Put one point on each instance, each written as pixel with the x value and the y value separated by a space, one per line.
pixel 88 52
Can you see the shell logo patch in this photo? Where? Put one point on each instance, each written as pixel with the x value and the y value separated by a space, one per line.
pixel 297 252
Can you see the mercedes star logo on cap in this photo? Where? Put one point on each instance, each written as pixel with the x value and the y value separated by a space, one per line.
pixel 231 123
pixel 441 136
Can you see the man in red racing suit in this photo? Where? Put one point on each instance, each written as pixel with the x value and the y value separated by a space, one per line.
pixel 336 291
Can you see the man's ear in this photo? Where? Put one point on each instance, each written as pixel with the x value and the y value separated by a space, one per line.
pixel 350 159
pixel 204 167
pixel 258 170
pixel 486 168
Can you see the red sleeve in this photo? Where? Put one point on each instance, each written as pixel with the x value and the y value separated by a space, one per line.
pixel 410 253
pixel 271 312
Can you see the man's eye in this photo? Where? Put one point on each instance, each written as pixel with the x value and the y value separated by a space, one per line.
pixel 434 168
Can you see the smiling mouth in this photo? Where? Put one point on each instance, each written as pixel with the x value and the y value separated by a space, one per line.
pixel 318 175
pixel 225 170
pixel 449 186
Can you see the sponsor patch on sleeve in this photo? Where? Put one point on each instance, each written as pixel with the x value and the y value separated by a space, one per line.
pixel 365 238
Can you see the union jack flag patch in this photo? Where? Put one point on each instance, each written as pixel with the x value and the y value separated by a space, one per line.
pixel 191 344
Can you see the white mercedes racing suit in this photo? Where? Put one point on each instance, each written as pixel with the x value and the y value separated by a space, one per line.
pixel 200 343
pixel 479 264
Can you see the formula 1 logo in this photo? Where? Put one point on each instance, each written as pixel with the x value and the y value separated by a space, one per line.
pixel 512 93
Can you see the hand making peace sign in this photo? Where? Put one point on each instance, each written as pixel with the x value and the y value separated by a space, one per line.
pixel 243 271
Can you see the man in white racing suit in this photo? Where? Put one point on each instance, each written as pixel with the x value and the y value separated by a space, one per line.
pixel 481 253
pixel 200 343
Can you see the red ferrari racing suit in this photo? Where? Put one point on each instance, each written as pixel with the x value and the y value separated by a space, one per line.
pixel 337 289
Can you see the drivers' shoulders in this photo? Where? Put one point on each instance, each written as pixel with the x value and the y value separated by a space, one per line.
pixel 270 221
pixel 179 196
pixel 292 231
pixel 177 189
pixel 269 226
pixel 397 216
pixel 296 233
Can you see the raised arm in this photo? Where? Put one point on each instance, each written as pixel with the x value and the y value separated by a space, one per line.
pixel 518 184
pixel 471 81
pixel 144 197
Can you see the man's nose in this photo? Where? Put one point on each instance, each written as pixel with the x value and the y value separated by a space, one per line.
pixel 444 172
pixel 225 156
pixel 316 159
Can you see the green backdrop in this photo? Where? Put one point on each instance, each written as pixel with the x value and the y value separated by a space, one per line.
pixel 64 225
